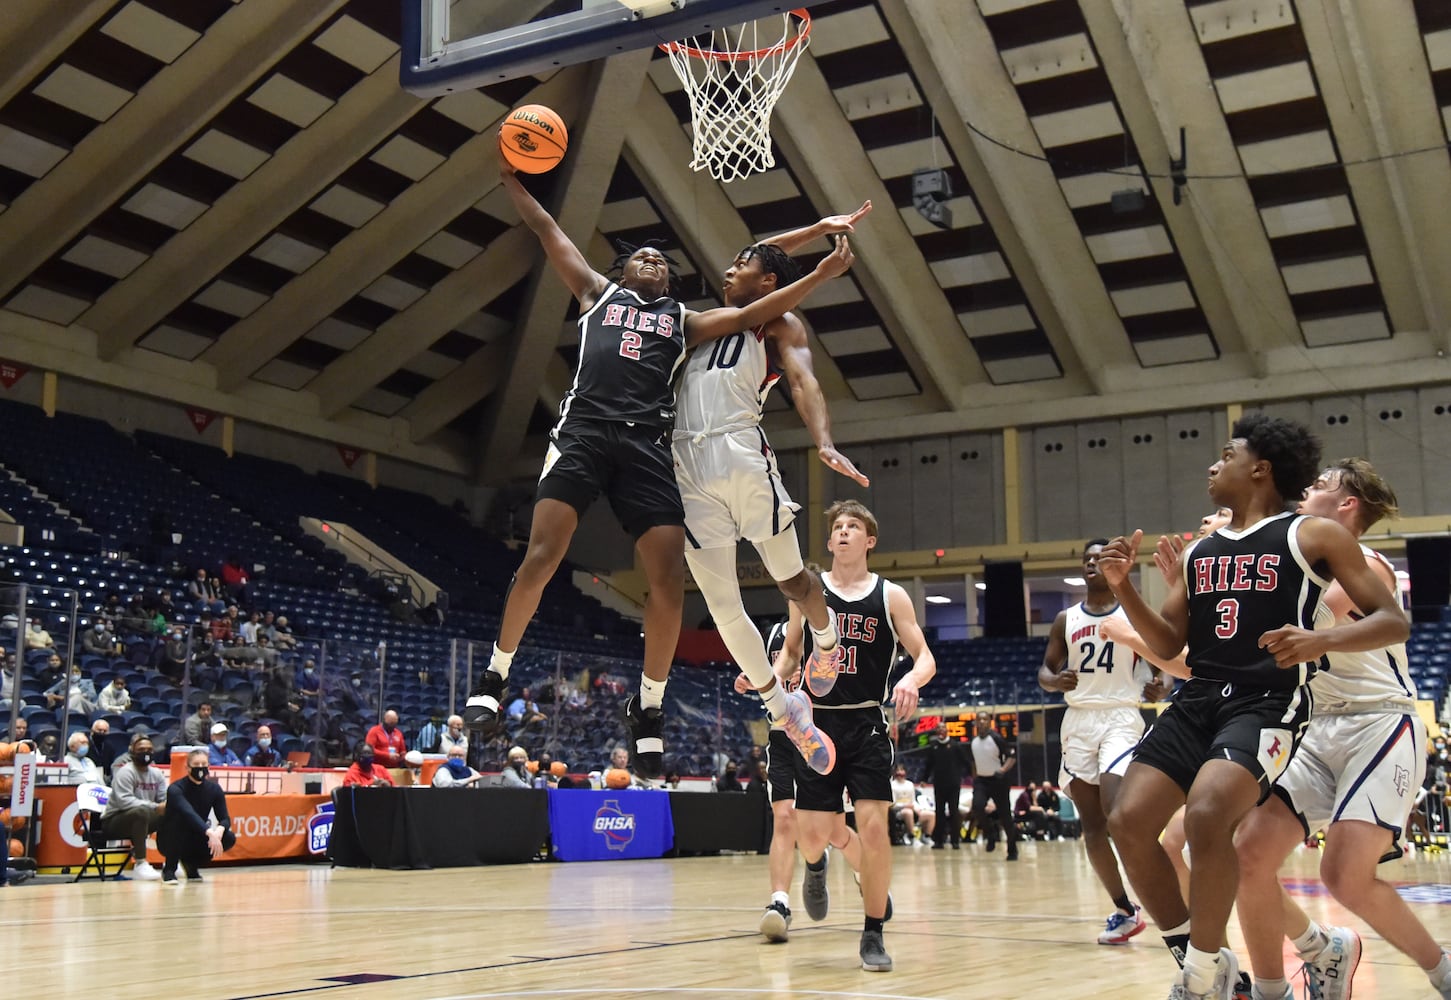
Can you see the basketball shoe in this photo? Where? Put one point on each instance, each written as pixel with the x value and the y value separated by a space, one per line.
pixel 874 953
pixel 1328 975
pixel 813 889
pixel 1224 987
pixel 1122 926
pixel 481 711
pixel 822 668
pixel 775 922
pixel 815 746
pixel 647 743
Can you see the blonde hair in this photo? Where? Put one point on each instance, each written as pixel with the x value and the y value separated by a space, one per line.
pixel 853 508
pixel 1358 478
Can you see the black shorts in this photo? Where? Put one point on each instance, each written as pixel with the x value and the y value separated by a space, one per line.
pixel 631 464
pixel 1255 727
pixel 781 760
pixel 863 760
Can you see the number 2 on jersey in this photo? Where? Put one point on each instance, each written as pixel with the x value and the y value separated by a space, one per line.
pixel 1088 664
pixel 630 342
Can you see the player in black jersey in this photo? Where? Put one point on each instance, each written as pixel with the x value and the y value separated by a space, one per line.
pixel 1244 600
pixel 613 437
pixel 873 615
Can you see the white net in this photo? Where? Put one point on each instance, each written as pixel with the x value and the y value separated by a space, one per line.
pixel 734 77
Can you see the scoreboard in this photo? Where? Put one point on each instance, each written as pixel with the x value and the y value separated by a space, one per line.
pixel 960 727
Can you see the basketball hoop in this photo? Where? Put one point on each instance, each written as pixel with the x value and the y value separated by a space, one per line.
pixel 733 83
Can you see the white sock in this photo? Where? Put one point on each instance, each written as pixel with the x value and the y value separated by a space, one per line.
pixel 652 692
pixel 500 661
pixel 826 638
pixel 1441 974
pixel 775 702
pixel 1199 969
pixel 784 898
pixel 1271 989
pixel 1312 942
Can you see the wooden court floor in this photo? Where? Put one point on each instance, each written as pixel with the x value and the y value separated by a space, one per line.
pixel 967 924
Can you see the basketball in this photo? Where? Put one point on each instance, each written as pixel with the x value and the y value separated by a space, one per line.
pixel 617 777
pixel 533 138
pixel 17 849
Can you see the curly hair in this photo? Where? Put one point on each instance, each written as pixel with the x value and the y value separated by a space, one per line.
pixel 773 260
pixel 1292 451
pixel 624 251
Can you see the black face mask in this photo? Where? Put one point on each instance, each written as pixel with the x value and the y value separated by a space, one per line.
pixel 365 763
pixel 144 757
pixel 200 773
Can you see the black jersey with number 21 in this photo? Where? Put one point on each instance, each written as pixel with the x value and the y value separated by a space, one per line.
pixel 629 350
pixel 1243 584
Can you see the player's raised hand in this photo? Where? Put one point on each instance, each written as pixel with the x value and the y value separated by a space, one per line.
pixel 1116 559
pixel 1166 556
pixel 846 223
pixel 837 462
pixel 1293 646
pixel 839 261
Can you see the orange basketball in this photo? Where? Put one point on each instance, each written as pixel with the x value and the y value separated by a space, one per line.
pixel 617 777
pixel 17 849
pixel 533 138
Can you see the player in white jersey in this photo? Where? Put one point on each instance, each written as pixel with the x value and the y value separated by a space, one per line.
pixel 731 486
pixel 1355 776
pixel 1103 683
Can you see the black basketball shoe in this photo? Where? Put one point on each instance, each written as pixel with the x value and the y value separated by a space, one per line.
pixel 481 712
pixel 647 743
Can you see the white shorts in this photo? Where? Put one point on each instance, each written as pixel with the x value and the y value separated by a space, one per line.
pixel 732 489
pixel 1098 741
pixel 1365 767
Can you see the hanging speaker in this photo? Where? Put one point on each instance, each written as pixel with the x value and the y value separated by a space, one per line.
pixel 1429 562
pixel 1004 614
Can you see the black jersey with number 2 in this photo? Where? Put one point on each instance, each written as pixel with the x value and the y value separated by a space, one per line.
pixel 869 642
pixel 1243 584
pixel 629 350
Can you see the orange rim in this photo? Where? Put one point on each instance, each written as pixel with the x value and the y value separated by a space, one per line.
pixel 803 32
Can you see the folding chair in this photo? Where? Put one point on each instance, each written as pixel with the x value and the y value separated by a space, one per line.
pixel 91 801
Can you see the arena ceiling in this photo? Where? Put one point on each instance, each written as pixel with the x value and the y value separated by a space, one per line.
pixel 231 203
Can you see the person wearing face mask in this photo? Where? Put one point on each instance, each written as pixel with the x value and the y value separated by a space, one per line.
pixel 264 752
pixel 75 691
pixel 186 837
pixel 172 662
pixel 387 740
pixel 80 767
pixel 454 735
pixel 98 641
pixel 219 754
pixel 308 683
pixel 138 803
pixel 364 771
pixel 115 697
pixel 455 772
pixel 516 769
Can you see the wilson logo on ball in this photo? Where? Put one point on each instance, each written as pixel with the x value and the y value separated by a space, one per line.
pixel 533 119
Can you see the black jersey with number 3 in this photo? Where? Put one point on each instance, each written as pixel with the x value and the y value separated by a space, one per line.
pixel 629 350
pixel 869 642
pixel 1243 584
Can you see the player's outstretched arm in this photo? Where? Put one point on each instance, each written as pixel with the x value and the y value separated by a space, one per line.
pixel 1165 631
pixel 789 337
pixel 909 634
pixel 1116 630
pixel 1383 624
pixel 583 281
pixel 1054 674
pixel 714 323
pixel 797 238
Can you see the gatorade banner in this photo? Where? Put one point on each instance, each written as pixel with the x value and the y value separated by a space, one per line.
pixel 601 826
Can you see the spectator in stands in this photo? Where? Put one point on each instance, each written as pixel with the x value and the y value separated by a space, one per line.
pixel 172 663
pixel 188 836
pixel 248 628
pixel 453 735
pixel 233 615
pixel 80 767
pixel 760 783
pixel 904 808
pixel 98 640
pixel 138 802
pixel 235 578
pixel 364 771
pixel 1027 813
pixel 76 692
pixel 37 637
pixel 544 768
pixel 157 622
pixel 728 782
pixel 20 732
pixel 1048 802
pixel 197 726
pixel 277 689
pixel 387 741
pixel 48 749
pixel 282 636
pixel 114 696
pixel 523 711
pixel 7 682
pixel 167 608
pixel 111 607
pixel 205 594
pixel 308 682
pixel 263 752
pixel 430 733
pixel 53 670
pixel 455 772
pixel 219 754
pixel 134 618
pixel 291 716
pixel 516 769
pixel 104 757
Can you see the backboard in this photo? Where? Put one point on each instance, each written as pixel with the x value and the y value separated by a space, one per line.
pixel 451 45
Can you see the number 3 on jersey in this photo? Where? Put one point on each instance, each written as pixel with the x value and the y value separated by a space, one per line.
pixel 1089 664
pixel 1228 618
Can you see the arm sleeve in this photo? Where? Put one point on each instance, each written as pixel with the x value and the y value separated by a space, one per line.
pixel 181 810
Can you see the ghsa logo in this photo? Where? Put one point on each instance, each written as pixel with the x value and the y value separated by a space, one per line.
pixel 524 141
pixel 320 829
pixel 615 825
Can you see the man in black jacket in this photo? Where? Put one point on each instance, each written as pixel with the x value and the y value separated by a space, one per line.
pixel 944 770
pixel 186 836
